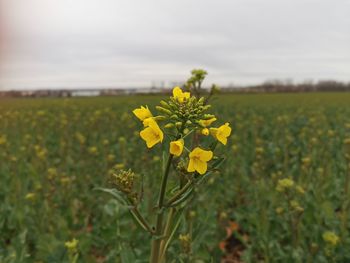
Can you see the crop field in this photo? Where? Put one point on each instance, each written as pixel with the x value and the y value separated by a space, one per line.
pixel 281 195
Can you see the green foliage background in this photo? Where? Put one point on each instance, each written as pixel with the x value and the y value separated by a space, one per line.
pixel 54 152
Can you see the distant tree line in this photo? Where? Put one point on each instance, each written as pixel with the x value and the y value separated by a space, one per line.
pixel 266 87
pixel 289 86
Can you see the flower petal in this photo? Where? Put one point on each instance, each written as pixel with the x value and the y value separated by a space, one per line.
pixel 177 92
pixel 206 156
pixel 149 137
pixel 190 167
pixel 201 167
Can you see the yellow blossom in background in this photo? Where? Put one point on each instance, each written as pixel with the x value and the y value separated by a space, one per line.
pixel 152 134
pixel 300 190
pixel 71 245
pixel 306 161
pixel 65 180
pixel 331 238
pixel 30 196
pixel 180 95
pixel 110 157
pixel 119 166
pixel 176 147
pixel 81 138
pixel 206 123
pixel 52 172
pixel 142 113
pixel 284 184
pixel 93 150
pixel 347 141
pixel 279 210
pixel 41 153
pixel 3 139
pixel 156 158
pixel 198 160
pixel 221 133
pixel 296 206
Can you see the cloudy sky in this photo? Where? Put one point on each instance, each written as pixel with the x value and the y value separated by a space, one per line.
pixel 126 43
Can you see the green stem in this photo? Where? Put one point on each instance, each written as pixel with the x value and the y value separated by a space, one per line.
pixel 142 220
pixel 167 232
pixel 156 241
pixel 179 193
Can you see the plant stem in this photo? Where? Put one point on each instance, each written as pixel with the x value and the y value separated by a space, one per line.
pixel 142 220
pixel 167 232
pixel 179 193
pixel 156 241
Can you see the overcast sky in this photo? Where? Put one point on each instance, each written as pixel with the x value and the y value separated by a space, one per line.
pixel 125 43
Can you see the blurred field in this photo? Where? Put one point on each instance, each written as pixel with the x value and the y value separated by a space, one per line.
pixel 55 151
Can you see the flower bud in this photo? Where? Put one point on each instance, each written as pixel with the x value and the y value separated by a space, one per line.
pixel 178 124
pixel 206 107
pixel 205 131
pixel 208 116
pixel 160 118
pixel 174 117
pixel 163 110
pixel 165 104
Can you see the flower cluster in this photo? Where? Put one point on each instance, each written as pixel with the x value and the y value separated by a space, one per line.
pixel 330 238
pixel 181 115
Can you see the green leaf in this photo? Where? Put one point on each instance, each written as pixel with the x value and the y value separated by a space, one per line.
pixel 183 197
pixel 119 196
pixel 174 227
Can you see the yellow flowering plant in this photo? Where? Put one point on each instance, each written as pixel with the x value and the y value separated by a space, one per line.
pixel 182 126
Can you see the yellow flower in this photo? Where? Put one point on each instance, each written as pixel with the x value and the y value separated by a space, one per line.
pixel 142 113
pixel 152 134
pixel 176 147
pixel 30 196
pixel 206 123
pixel 205 131
pixel 221 133
pixel 93 150
pixel 284 184
pixel 3 139
pixel 71 245
pixel 198 160
pixel 180 95
pixel 331 238
pixel 147 121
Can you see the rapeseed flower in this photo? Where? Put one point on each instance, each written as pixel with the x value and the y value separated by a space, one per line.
pixel 71 245
pixel 142 113
pixel 152 134
pixel 206 123
pixel 284 184
pixel 30 196
pixel 176 147
pixel 331 238
pixel 198 160
pixel 221 133
pixel 179 95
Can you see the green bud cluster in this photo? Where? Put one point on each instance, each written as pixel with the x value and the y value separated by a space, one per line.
pixel 123 180
pixel 186 114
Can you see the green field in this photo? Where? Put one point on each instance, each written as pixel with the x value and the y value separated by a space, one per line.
pixel 54 152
